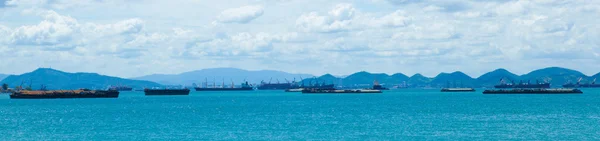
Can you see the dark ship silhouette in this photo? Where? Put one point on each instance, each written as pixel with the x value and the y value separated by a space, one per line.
pixel 521 84
pixel 245 87
pixel 579 85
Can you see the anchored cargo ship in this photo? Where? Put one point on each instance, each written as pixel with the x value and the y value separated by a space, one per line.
pixel 120 88
pixel 245 87
pixel 579 85
pixel 81 93
pixel 277 86
pixel 521 84
pixel 311 86
pixel 334 91
pixel 183 91
pixel 377 86
pixel 533 91
pixel 456 89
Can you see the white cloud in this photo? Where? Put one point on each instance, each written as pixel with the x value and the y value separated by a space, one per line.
pixel 396 19
pixel 242 14
pixel 55 29
pixel 400 35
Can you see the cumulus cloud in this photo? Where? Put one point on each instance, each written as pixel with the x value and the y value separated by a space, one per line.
pixel 241 44
pixel 55 29
pixel 58 32
pixel 242 14
pixel 57 4
pixel 397 33
pixel 344 17
pixel 340 18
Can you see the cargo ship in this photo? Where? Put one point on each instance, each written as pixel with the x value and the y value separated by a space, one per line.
pixel 120 88
pixel 245 87
pixel 377 86
pixel 277 86
pixel 533 91
pixel 311 86
pixel 335 91
pixel 579 85
pixel 183 91
pixel 456 89
pixel 51 94
pixel 521 84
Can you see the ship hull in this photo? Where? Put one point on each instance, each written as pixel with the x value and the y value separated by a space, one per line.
pixel 581 86
pixel 458 90
pixel 534 91
pixel 224 89
pixel 95 94
pixel 167 92
pixel 317 91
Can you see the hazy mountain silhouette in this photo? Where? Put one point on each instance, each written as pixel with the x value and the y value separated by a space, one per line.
pixel 55 79
pixel 218 75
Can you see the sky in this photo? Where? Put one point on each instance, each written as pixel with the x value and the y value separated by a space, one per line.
pixel 130 38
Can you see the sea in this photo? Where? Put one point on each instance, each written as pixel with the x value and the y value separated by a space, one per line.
pixel 404 114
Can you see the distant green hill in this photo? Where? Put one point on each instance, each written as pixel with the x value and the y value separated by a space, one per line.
pixel 55 79
pixel 457 79
pixel 493 78
pixel 555 75
pixel 418 80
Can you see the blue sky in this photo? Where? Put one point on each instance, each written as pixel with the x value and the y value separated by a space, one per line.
pixel 131 38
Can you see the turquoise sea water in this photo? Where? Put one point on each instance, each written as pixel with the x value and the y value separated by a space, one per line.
pixel 274 115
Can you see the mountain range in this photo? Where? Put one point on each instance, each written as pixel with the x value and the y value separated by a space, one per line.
pixel 555 75
pixel 223 75
pixel 55 79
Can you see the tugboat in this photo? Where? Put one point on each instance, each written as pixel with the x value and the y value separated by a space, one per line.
pixel 183 91
pixel 245 87
pixel 504 85
pixel 579 85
